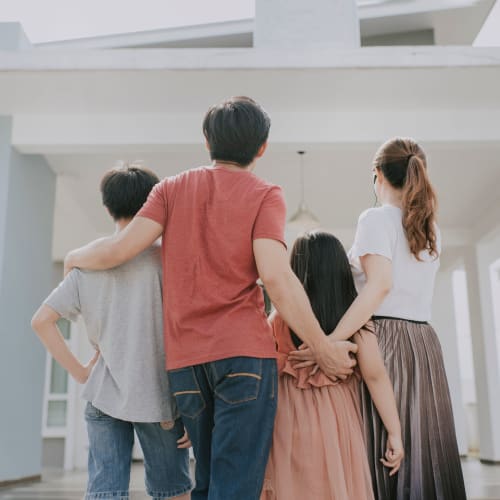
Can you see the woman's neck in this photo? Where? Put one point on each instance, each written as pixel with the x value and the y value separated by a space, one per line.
pixel 393 198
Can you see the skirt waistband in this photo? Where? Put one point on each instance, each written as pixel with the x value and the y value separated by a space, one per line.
pixel 401 319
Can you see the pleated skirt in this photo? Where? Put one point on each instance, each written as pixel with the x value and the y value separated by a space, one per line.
pixel 431 469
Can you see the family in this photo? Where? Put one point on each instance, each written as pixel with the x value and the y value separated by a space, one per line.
pixel 341 394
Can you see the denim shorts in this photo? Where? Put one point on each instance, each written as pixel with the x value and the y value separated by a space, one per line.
pixel 110 456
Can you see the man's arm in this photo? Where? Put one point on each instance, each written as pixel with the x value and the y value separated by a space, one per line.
pixel 44 323
pixel 112 251
pixel 288 296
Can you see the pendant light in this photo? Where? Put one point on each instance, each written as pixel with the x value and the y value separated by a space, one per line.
pixel 303 219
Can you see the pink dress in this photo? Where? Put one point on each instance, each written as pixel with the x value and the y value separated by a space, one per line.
pixel 318 450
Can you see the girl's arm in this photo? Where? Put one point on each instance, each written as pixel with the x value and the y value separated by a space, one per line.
pixel 44 323
pixel 377 380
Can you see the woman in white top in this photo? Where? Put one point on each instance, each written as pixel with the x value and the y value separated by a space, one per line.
pixel 395 258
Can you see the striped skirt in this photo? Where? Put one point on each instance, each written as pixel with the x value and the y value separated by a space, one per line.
pixel 431 469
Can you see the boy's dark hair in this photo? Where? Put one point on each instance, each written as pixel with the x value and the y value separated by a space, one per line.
pixel 125 189
pixel 235 130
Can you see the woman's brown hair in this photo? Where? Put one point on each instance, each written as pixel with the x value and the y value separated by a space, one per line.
pixel 404 165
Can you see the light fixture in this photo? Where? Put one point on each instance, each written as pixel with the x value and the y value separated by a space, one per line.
pixel 303 219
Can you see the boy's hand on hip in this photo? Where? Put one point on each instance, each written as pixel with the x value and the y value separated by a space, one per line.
pixel 87 369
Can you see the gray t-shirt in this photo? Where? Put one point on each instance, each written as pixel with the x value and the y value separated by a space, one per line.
pixel 122 311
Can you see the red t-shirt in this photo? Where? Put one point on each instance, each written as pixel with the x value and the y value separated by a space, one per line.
pixel 212 306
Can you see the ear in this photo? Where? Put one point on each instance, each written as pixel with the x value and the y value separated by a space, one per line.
pixel 261 151
pixel 207 146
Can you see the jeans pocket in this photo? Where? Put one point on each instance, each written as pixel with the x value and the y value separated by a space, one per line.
pixel 186 390
pixel 92 413
pixel 238 379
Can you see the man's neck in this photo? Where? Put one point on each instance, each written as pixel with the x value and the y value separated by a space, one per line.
pixel 233 166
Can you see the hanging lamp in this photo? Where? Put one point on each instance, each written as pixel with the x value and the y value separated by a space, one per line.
pixel 303 219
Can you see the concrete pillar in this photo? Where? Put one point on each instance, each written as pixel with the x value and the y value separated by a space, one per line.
pixel 302 25
pixel 444 321
pixel 484 352
pixel 12 37
pixel 27 192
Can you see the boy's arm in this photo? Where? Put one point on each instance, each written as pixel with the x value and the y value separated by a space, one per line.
pixel 289 298
pixel 112 251
pixel 44 323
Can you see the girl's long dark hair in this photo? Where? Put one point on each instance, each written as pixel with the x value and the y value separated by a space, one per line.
pixel 321 264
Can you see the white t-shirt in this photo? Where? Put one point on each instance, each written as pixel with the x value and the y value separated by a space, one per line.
pixel 380 232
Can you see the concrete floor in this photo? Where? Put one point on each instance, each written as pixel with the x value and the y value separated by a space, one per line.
pixel 483 483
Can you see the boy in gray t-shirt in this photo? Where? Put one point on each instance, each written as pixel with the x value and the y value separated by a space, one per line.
pixel 126 383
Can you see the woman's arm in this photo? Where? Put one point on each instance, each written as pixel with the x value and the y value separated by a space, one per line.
pixel 377 380
pixel 44 323
pixel 378 271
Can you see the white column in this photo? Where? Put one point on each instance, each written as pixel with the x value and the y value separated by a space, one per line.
pixel 484 352
pixel 443 320
pixel 26 211
pixel 301 24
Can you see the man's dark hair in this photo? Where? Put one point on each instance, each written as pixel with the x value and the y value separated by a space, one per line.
pixel 235 130
pixel 124 190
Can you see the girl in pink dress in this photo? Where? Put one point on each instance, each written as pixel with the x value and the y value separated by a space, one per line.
pixel 318 450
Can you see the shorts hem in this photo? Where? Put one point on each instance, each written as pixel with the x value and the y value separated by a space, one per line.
pixel 100 495
pixel 161 495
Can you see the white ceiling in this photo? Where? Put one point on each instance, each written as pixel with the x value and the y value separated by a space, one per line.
pixel 338 184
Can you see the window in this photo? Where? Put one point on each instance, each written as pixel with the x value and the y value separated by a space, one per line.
pixel 55 404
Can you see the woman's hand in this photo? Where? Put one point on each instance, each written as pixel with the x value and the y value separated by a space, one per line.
pixel 394 454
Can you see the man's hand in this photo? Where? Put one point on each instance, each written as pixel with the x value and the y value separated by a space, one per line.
pixel 334 358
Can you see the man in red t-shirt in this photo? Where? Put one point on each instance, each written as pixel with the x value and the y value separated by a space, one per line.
pixel 222 228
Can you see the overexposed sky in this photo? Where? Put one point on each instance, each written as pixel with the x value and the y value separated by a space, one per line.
pixel 48 20
pixel 489 36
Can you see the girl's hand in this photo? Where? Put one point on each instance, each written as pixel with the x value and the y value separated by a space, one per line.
pixel 394 454
pixel 184 442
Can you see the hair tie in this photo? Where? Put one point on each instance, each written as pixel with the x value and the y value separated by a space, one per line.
pixel 409 157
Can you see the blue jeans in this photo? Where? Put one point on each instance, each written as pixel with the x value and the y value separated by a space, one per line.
pixel 110 456
pixel 228 409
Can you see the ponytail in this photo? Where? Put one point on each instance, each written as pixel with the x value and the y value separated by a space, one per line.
pixel 419 205
pixel 404 165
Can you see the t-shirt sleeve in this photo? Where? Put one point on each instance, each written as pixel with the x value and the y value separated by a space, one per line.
pixel 374 236
pixel 271 218
pixel 65 299
pixel 155 207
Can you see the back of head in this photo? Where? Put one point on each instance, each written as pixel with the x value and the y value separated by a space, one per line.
pixel 320 262
pixel 235 130
pixel 124 190
pixel 404 165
